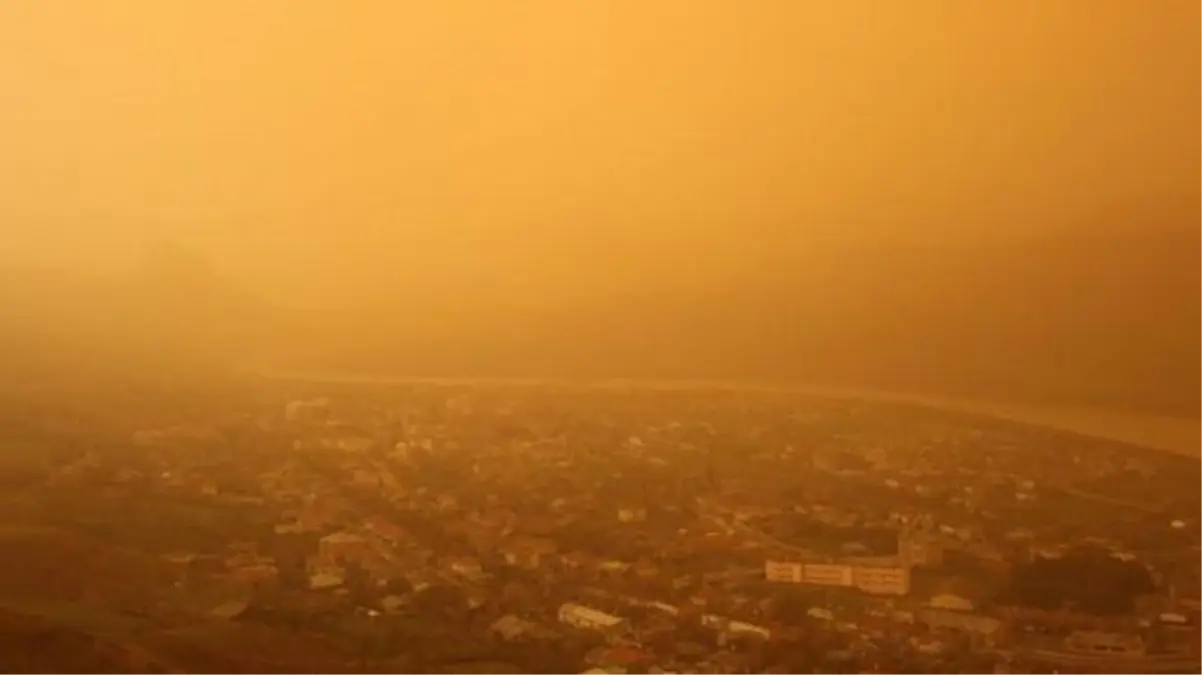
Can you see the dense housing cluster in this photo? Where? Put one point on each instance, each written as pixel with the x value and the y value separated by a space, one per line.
pixel 427 527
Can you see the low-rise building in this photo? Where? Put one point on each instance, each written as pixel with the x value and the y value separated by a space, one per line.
pixel 951 601
pixel 1095 642
pixel 588 618
pixel 466 566
pixel 335 550
pixel 632 515
pixel 527 552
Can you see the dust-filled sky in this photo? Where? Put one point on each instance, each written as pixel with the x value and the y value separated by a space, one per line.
pixel 908 193
pixel 482 154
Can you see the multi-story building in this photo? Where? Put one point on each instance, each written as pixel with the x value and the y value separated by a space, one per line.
pixel 876 579
pixel 827 574
pixel 784 572
pixel 882 580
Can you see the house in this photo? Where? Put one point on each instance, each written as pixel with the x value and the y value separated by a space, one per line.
pixel 466 567
pixel 527 552
pixel 951 602
pixel 367 478
pixel 820 613
pixel 230 609
pixel 335 550
pixel 255 573
pixel 645 569
pixel 308 519
pixel 614 566
pixel 578 560
pixel 511 627
pixel 975 624
pixel 927 644
pixel 622 657
pixel 384 529
pixel 671 610
pixel 326 578
pixel 632 515
pixel 588 618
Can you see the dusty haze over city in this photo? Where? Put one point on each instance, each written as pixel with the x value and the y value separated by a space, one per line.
pixel 613 337
pixel 993 200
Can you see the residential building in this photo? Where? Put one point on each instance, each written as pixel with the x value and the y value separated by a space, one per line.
pixel 335 550
pixel 1103 642
pixel 527 552
pixel 951 601
pixel 632 515
pixel 589 618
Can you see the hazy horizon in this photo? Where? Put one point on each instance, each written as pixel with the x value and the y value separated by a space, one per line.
pixel 994 199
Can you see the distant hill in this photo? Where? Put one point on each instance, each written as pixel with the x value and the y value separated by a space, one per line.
pixel 1109 320
pixel 165 321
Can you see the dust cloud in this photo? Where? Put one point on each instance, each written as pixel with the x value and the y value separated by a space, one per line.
pixel 992 199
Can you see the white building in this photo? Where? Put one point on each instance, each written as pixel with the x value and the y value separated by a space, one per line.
pixel 882 580
pixel 878 579
pixel 589 618
pixel 784 572
pixel 823 574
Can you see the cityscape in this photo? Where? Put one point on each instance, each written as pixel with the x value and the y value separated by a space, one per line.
pixel 291 526
pixel 605 337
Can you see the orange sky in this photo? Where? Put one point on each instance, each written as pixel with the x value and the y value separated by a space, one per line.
pixel 325 151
